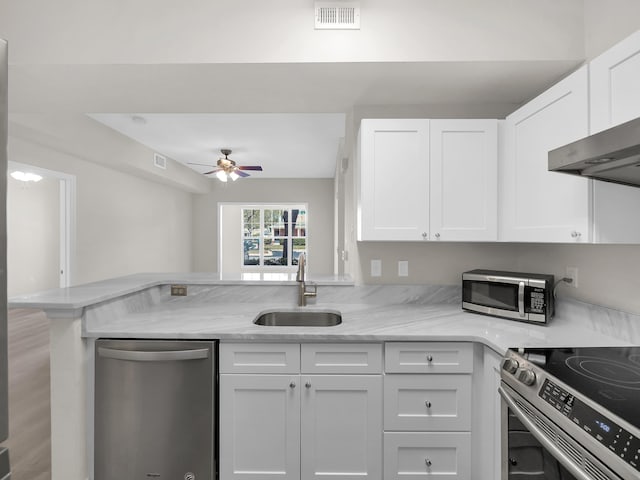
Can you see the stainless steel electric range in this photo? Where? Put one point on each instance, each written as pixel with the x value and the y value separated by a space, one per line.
pixel 571 413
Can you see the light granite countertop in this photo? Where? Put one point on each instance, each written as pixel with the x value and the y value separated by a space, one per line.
pixel 80 296
pixel 140 306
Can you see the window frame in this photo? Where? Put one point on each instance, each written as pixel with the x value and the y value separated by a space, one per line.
pixel 261 267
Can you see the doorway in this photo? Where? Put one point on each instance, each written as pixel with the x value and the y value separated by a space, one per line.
pixel 40 228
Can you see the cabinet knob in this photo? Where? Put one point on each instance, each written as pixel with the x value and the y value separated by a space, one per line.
pixel 308 384
pixel 437 235
pixel 427 462
pixel 429 358
pixel 427 404
pixel 424 235
pixel 575 234
pixel 292 385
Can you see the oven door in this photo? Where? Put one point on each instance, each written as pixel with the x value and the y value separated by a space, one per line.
pixel 535 448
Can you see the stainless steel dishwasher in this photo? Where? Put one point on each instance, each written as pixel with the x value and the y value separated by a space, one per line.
pixel 155 410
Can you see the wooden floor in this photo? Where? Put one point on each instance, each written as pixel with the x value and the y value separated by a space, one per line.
pixel 29 392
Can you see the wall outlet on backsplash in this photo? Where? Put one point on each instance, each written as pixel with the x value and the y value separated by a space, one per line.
pixel 178 290
pixel 572 273
pixel 376 268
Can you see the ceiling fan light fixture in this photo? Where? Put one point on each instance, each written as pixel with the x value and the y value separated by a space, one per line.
pixel 234 176
pixel 222 175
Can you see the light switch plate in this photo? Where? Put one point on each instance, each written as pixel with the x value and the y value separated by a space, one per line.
pixel 403 268
pixel 376 268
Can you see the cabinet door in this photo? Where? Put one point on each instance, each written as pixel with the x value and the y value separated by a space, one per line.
pixel 259 427
pixel 341 427
pixel 614 85
pixel 537 205
pixel 464 180
pixel 394 180
pixel 614 94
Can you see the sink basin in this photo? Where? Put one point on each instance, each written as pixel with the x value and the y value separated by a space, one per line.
pixel 297 318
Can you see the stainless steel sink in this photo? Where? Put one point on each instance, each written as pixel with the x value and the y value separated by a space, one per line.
pixel 297 318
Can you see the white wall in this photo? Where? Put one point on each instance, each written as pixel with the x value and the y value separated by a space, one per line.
pixel 255 31
pixel 125 224
pixel 33 235
pixel 317 193
pixel 607 22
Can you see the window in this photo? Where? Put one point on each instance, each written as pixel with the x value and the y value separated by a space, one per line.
pixel 273 235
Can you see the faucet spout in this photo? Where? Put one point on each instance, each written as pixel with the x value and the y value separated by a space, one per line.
pixel 300 276
pixel 303 292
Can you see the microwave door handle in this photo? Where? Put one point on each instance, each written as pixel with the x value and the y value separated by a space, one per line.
pixel 542 438
pixel 521 299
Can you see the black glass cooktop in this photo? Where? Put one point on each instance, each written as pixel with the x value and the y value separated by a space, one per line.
pixel 609 376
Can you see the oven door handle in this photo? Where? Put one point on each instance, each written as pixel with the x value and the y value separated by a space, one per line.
pixel 569 464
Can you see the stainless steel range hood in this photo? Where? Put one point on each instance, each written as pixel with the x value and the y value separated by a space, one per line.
pixel 612 155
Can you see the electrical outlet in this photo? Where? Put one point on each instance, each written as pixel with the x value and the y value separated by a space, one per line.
pixel 403 268
pixel 178 290
pixel 572 273
pixel 376 268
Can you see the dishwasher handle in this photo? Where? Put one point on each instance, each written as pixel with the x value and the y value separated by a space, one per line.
pixel 151 356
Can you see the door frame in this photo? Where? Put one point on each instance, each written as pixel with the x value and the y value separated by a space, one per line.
pixel 67 199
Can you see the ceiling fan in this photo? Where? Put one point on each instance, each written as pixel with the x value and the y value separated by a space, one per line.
pixel 227 168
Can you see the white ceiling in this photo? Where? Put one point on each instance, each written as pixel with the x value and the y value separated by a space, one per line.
pixel 285 145
pixel 286 117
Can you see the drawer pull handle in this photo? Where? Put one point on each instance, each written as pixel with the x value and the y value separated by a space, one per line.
pixel 427 462
pixel 308 384
pixel 429 358
pixel 292 384
pixel 427 404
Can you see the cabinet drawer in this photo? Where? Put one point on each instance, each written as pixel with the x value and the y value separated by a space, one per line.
pixel 427 402
pixel 259 358
pixel 428 357
pixel 352 358
pixel 436 456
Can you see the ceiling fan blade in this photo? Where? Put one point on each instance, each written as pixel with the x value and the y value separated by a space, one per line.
pixel 201 164
pixel 250 167
pixel 212 171
pixel 241 173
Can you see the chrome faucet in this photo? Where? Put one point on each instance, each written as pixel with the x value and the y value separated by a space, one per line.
pixel 303 293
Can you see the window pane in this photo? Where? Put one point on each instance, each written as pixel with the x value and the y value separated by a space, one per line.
pixel 251 252
pixel 299 246
pixel 275 252
pixel 251 222
pixel 274 222
pixel 299 223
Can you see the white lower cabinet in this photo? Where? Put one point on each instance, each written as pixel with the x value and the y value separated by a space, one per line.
pixel 313 411
pixel 341 429
pixel 427 416
pixel 259 427
pixel 432 455
pixel 302 425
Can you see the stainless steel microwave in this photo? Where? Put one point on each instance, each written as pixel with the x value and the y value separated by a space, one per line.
pixel 526 297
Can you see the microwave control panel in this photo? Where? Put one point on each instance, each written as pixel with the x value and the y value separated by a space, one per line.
pixel 536 301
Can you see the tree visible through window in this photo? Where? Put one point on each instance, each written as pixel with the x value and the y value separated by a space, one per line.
pixel 273 236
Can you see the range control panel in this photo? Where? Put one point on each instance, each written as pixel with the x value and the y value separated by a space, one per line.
pixel 615 438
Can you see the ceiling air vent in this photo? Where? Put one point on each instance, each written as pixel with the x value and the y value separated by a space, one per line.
pixel 160 161
pixel 337 15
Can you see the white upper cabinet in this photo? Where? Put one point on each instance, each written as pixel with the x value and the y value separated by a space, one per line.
pixel 394 179
pixel 464 180
pixel 428 180
pixel 537 205
pixel 614 99
pixel 615 85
